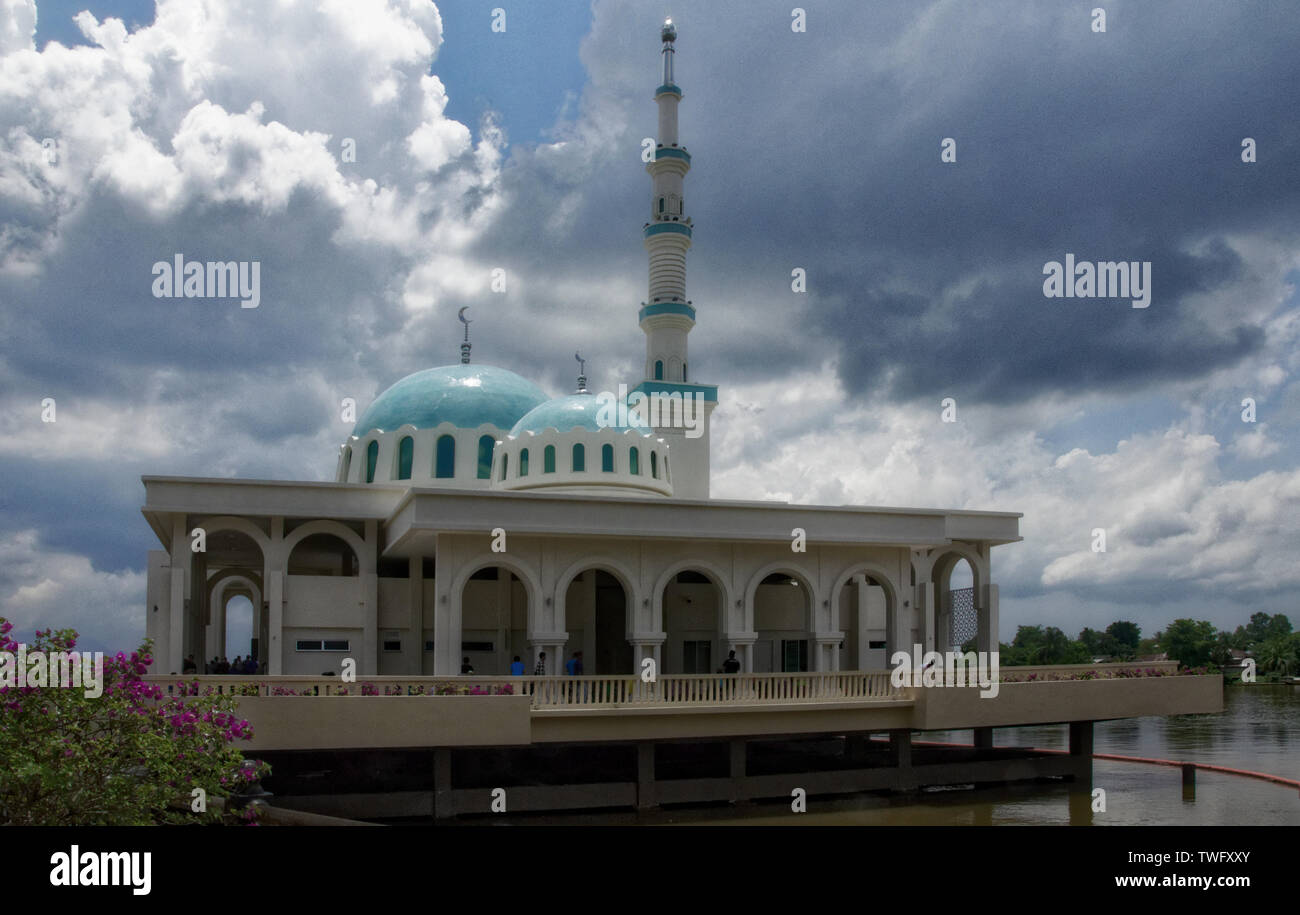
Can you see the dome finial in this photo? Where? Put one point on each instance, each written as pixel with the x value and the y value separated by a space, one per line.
pixel 582 375
pixel 465 346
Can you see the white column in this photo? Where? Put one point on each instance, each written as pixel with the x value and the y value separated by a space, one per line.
pixel 181 570
pixel 369 663
pixel 988 619
pixel 273 577
pixel 415 616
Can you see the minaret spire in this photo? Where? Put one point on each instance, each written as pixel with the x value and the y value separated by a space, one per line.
pixel 465 346
pixel 667 316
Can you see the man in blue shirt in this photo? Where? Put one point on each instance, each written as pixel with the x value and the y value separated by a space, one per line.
pixel 516 667
pixel 574 665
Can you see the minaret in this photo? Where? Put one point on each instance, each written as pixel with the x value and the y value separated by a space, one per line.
pixel 667 316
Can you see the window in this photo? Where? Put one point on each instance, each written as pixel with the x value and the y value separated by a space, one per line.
pixel 478 646
pixel 794 655
pixel 321 645
pixel 446 465
pixel 505 465
pixel 392 641
pixel 523 463
pixel 654 465
pixel 347 463
pixel 428 644
pixel 696 657
pixel 659 370
pixel 607 458
pixel 666 476
pixel 634 461
pixel 485 443
pixel 548 459
pixel 579 459
pixel 683 371
pixel 372 458
pixel 405 451
pixel 661 204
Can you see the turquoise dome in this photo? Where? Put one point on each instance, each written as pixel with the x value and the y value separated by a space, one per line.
pixel 584 410
pixel 467 396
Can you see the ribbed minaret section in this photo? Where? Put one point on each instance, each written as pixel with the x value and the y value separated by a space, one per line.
pixel 667 316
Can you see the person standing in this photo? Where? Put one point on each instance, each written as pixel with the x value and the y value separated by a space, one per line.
pixel 574 665
pixel 540 669
pixel 731 665
pixel 516 667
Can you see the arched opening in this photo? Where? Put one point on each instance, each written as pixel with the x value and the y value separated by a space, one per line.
pixel 405 454
pixel 523 462
pixel 231 566
pixel 322 594
pixel 691 604
pixel 548 459
pixel 864 619
pixel 683 371
pixel 485 444
pixel 595 615
pixel 607 458
pixel 445 461
pixel 654 465
pixel 956 615
pixel 505 464
pixel 372 459
pixel 781 611
pixel 579 458
pixel 494 622
pixel 659 370
pixel 634 461
pixel 239 627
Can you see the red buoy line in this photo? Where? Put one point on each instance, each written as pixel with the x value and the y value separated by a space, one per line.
pixel 1115 757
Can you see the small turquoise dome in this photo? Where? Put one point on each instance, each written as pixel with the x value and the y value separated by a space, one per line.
pixel 467 396
pixel 585 410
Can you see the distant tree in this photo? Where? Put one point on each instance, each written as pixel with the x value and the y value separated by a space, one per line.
pixel 1221 650
pixel 1127 636
pixel 1189 641
pixel 1091 639
pixel 1277 655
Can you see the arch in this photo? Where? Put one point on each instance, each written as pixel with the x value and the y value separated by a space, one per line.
pixel 684 370
pixel 659 370
pixel 522 570
pixel 942 564
pixel 777 634
pixel 220 588
pixel 874 570
pixel 705 568
pixel 523 462
pixel 548 459
pixel 485 446
pixel 607 458
pixel 634 461
pixel 445 459
pixel 242 525
pixel 601 563
pixel 579 463
pixel 405 455
pixel 372 459
pixel 326 526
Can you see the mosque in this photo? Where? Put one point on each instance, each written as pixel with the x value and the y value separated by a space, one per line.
pixel 474 520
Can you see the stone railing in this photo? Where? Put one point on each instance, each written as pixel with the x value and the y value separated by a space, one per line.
pixel 568 692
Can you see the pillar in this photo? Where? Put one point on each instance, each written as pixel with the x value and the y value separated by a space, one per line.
pixel 988 619
pixel 273 577
pixel 369 662
pixel 415 615
pixel 181 570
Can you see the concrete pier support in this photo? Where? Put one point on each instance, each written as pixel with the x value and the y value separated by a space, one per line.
pixel 646 796
pixel 736 769
pixel 983 738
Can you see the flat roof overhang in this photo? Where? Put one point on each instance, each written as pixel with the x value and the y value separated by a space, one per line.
pixel 411 517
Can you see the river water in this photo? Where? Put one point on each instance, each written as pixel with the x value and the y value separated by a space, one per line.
pixel 1259 730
